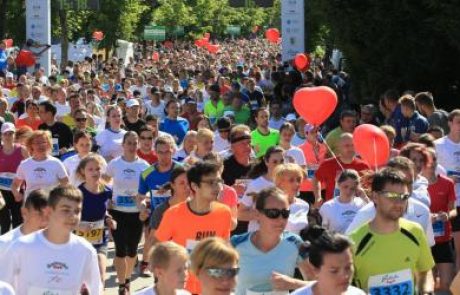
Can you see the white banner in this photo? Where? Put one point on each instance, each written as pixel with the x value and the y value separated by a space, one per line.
pixel 293 28
pixel 38 29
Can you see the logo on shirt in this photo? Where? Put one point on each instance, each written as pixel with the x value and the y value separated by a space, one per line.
pixel 390 278
pixel 205 234
pixel 349 213
pixel 57 266
pixel 39 172
pixel 129 173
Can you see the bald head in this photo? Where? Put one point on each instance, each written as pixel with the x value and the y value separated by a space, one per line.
pixel 346 147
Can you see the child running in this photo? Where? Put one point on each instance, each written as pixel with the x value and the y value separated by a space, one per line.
pixel 169 264
pixel 94 217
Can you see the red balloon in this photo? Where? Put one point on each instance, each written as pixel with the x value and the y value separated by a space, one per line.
pixel 199 43
pixel 205 41
pixel 98 35
pixel 156 56
pixel 272 35
pixel 371 144
pixel 8 43
pixel 315 104
pixel 213 48
pixel 25 58
pixel 301 62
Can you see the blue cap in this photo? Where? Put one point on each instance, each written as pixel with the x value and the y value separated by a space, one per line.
pixel 118 87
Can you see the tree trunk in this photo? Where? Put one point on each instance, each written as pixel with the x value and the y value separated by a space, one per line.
pixel 3 6
pixel 64 38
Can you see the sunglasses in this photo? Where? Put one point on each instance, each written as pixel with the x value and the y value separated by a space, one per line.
pixel 80 119
pixel 146 138
pixel 275 213
pixel 395 196
pixel 219 273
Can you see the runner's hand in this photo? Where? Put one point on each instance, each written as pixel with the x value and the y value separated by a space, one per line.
pixel 443 216
pixel 112 224
pixel 281 282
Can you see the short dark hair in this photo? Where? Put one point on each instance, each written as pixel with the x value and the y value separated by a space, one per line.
pixel 67 191
pixel 391 95
pixel 453 114
pixel 348 113
pixel 425 98
pixel 386 176
pixel 49 107
pixel 37 200
pixel 151 118
pixel 81 134
pixel 145 128
pixel 319 241
pixel 265 194
pixel 196 172
pixel 401 163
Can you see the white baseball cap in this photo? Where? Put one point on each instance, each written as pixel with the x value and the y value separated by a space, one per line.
pixel 8 127
pixel 132 102
pixel 9 75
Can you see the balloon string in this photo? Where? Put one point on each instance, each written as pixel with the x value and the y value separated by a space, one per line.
pixel 330 150
pixel 375 158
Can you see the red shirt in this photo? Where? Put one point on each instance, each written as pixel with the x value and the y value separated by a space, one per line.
pixel 150 157
pixel 329 170
pixel 442 192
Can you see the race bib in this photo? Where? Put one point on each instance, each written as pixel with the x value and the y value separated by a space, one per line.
pixel 157 199
pixel 6 180
pixel 125 201
pixel 47 291
pixel 55 150
pixel 311 170
pixel 439 228
pixel 396 283
pixel 254 104
pixel 454 174
pixel 93 232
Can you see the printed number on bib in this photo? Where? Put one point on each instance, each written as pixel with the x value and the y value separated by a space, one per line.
pixel 6 180
pixel 439 228
pixel 125 201
pixel 93 232
pixel 46 291
pixel 396 283
pixel 55 151
pixel 249 292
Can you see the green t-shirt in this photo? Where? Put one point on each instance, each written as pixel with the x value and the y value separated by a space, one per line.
pixel 332 139
pixel 262 142
pixel 214 112
pixel 242 116
pixel 386 264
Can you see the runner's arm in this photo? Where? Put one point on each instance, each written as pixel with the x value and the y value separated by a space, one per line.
pixel 15 189
pixel 317 191
pixel 424 284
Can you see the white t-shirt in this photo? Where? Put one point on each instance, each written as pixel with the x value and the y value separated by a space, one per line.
pixel 71 164
pixel 110 143
pixel 158 110
pixel 220 144
pixel 308 290
pixel 416 212
pixel 6 289
pixel 37 266
pixel 276 124
pixel 41 174
pixel 6 240
pixel 298 218
pixel 126 177
pixel 151 291
pixel 337 216
pixel 254 186
pixel 295 155
pixel 62 109
pixel 142 89
pixel 448 153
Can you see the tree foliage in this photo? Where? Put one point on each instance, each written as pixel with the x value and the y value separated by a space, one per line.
pixel 403 44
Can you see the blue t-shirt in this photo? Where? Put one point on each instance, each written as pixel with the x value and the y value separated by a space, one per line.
pixel 396 120
pixel 151 180
pixel 415 124
pixel 256 267
pixel 176 128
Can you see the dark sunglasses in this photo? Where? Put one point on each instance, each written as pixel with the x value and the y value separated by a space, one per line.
pixel 275 213
pixel 219 273
pixel 80 119
pixel 146 138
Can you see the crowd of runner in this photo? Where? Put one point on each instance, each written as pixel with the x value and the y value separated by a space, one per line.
pixel 203 157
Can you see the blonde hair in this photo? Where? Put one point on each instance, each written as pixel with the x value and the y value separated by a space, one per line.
pixel 162 253
pixel 37 134
pixel 204 134
pixel 388 130
pixel 212 252
pixel 79 172
pixel 408 101
pixel 283 169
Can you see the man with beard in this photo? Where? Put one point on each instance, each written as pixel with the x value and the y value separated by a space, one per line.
pixel 378 269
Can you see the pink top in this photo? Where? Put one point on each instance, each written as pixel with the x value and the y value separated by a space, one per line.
pixel 10 163
pixel 229 196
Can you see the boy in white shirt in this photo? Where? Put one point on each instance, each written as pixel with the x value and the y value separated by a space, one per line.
pixel 55 261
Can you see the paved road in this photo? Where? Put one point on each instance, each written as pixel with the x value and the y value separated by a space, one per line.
pixel 111 285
